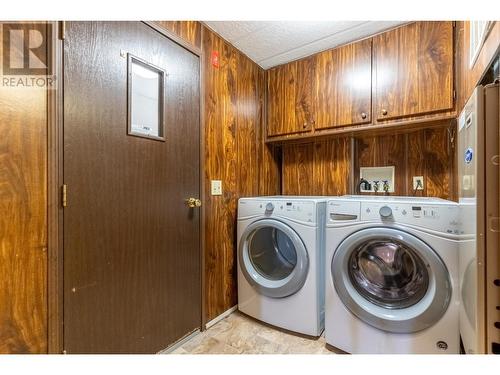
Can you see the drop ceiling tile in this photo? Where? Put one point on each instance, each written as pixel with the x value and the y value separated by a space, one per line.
pixel 271 43
pixel 233 30
pixel 344 37
pixel 284 36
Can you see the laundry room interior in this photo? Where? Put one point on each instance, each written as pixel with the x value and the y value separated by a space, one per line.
pixel 190 187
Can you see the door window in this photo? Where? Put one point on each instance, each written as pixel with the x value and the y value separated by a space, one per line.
pixel 145 91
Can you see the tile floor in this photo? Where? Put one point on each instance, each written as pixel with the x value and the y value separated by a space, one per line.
pixel 239 334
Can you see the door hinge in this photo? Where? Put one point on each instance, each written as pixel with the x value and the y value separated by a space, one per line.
pixel 64 198
pixel 454 95
pixel 62 30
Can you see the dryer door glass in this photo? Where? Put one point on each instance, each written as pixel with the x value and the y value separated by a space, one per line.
pixel 273 258
pixel 272 253
pixel 388 273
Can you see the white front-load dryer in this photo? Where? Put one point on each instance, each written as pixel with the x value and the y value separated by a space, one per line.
pixel 281 261
pixel 392 275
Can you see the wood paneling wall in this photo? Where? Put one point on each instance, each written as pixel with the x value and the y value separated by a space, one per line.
pixel 190 31
pixel 317 168
pixel 23 219
pixel 428 152
pixel 331 167
pixel 233 111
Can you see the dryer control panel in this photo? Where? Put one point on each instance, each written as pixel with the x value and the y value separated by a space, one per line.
pixel 303 211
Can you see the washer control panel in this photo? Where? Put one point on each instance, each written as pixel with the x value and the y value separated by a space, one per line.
pixel 440 217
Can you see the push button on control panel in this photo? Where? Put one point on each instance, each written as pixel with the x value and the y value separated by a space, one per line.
pixel 431 213
pixel 417 211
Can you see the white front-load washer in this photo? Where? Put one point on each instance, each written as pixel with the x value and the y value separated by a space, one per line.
pixel 392 275
pixel 281 261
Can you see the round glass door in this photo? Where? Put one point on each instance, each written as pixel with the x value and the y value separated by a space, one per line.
pixel 272 253
pixel 391 279
pixel 273 258
pixel 388 273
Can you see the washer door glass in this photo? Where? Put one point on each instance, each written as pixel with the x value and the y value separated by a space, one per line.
pixel 273 258
pixel 391 279
pixel 388 273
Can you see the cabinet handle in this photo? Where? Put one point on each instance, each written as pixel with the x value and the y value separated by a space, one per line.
pixel 363 115
pixel 304 125
pixel 384 112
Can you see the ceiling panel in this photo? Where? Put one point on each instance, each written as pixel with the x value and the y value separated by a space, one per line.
pixel 271 43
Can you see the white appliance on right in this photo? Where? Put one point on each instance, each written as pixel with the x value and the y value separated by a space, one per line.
pixel 392 275
pixel 479 260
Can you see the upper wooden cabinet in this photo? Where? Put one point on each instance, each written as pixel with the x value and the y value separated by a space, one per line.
pixel 343 86
pixel 289 94
pixel 413 70
pixel 401 76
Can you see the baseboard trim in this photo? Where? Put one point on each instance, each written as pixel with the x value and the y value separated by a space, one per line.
pixel 221 316
pixel 179 343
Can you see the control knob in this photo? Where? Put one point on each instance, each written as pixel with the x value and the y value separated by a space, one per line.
pixel 269 207
pixel 385 212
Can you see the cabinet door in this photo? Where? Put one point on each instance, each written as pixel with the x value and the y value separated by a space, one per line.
pixel 396 72
pixel 343 84
pixel 289 98
pixel 413 70
pixel 275 100
pixel 435 62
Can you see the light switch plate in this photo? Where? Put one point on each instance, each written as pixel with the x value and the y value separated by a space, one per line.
pixel 216 187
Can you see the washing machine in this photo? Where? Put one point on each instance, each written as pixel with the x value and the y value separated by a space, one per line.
pixel 281 261
pixel 392 275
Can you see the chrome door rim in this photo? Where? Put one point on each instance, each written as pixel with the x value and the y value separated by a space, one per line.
pixel 265 286
pixel 419 316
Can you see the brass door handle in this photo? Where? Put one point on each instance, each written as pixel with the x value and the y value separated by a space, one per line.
pixel 193 202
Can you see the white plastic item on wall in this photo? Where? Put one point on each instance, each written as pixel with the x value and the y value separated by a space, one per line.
pixel 380 174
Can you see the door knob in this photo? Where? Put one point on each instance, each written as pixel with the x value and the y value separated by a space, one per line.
pixel 363 115
pixel 193 202
pixel 384 112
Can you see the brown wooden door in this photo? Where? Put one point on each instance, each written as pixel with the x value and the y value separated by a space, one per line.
pixel 131 245
pixel 413 70
pixel 289 98
pixel 343 86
